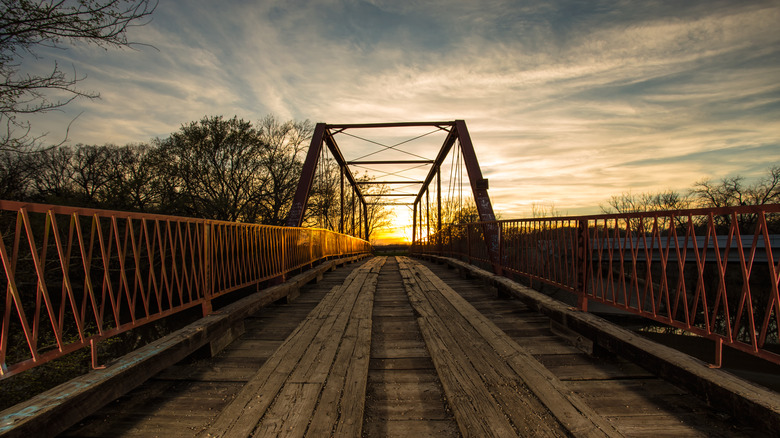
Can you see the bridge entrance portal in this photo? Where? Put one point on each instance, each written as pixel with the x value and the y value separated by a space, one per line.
pixel 357 194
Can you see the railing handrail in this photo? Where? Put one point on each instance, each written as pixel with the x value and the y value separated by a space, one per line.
pixel 33 207
pixel 716 211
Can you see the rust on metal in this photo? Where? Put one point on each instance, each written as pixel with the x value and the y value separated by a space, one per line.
pixel 712 272
pixel 74 276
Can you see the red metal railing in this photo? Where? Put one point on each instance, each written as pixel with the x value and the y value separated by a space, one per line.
pixel 713 272
pixel 76 276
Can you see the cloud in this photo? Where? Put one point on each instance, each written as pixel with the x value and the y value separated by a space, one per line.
pixel 567 102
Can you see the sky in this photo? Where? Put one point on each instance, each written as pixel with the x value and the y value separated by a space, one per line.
pixel 567 102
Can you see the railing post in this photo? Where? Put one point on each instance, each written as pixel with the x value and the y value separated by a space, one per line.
pixel 281 240
pixel 208 284
pixel 414 224
pixel 583 253
pixel 449 240
pixel 499 268
pixel 468 242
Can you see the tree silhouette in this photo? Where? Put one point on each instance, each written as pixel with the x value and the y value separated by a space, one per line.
pixel 27 25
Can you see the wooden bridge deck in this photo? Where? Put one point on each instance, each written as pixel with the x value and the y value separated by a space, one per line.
pixel 399 347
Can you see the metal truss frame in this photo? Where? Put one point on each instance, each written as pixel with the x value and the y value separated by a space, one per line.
pixel 457 131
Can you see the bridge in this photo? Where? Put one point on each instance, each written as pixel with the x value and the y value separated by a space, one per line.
pixel 270 331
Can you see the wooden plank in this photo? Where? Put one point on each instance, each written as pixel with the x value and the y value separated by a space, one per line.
pixel 389 376
pixel 401 363
pixel 738 397
pixel 239 372
pixel 514 332
pixel 319 354
pixel 399 348
pixel 527 414
pixel 412 428
pixel 143 426
pixel 545 345
pixel 581 367
pixel 393 409
pixel 326 414
pixel 659 426
pixel 402 402
pixel 353 402
pixel 290 414
pixel 244 413
pixel 225 374
pixel 473 404
pixel 156 402
pixel 577 340
pixel 387 325
pixel 420 390
pixel 652 387
pixel 470 401
pixel 571 410
pixel 230 335
pixel 394 312
pixel 341 403
pixel 554 398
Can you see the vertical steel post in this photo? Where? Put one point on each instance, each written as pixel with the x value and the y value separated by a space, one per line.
pixel 479 188
pixel 583 254
pixel 414 222
pixel 427 218
pixel 500 267
pixel 439 238
pixel 468 241
pixel 298 208
pixel 365 217
pixel 438 200
pixel 421 221
pixel 208 286
pixel 341 207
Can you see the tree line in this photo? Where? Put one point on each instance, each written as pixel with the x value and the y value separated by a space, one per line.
pixel 731 191
pixel 707 193
pixel 214 168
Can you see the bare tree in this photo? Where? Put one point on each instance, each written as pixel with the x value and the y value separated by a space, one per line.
pixel 138 179
pixel 379 216
pixel 539 210
pixel 219 164
pixel 324 197
pixel 16 175
pixel 637 203
pixel 282 165
pixel 324 205
pixel 94 169
pixel 53 179
pixel 26 25
pixel 733 191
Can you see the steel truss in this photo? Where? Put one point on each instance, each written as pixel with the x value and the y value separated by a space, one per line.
pixel 457 131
